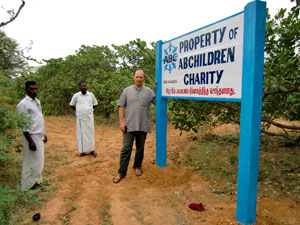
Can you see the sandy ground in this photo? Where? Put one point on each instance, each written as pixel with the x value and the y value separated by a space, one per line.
pixel 83 192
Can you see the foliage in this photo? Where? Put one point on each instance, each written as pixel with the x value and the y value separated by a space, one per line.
pixel 10 61
pixel 9 122
pixel 281 91
pixel 106 71
pixel 58 80
pixel 195 115
pixel 282 75
pixel 12 14
pixel 108 91
pixel 136 55
pixel 12 200
pixel 9 197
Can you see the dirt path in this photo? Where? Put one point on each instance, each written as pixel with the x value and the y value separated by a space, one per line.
pixel 83 192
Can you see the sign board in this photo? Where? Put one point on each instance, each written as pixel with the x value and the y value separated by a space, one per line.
pixel 206 63
pixel 223 61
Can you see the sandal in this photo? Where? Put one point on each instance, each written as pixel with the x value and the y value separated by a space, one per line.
pixel 118 178
pixel 138 172
pixel 93 153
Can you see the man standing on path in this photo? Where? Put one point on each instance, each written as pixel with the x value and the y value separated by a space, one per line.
pixel 134 115
pixel 84 103
pixel 33 138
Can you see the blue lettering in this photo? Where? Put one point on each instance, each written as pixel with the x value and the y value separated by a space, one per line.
pixel 191 44
pixel 202 77
pixel 210 58
pixel 197 79
pixel 180 46
pixel 186 46
pixel 212 76
pixel 223 56
pixel 207 39
pixel 192 78
pixel 191 62
pixel 185 63
pixel 219 75
pixel 165 59
pixel 230 54
pixel 217 57
pixel 196 60
pixel 222 32
pixel 204 64
pixel 197 41
pixel 185 81
pixel 180 65
pixel 175 56
pixel 215 36
pixel 202 40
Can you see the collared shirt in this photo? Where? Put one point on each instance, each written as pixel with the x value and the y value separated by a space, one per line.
pixel 137 108
pixel 84 104
pixel 32 108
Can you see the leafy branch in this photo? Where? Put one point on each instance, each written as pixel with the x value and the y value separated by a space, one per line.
pixel 14 16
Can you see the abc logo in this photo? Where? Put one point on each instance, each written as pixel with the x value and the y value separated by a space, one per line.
pixel 170 58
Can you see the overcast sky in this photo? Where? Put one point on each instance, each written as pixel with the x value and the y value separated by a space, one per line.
pixel 58 28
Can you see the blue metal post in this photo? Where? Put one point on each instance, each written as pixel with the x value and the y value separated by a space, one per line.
pixel 252 86
pixel 161 112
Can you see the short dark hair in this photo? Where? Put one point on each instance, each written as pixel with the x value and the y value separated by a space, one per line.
pixel 28 83
pixel 81 82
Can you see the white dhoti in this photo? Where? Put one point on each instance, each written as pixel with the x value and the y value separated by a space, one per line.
pixel 32 162
pixel 85 133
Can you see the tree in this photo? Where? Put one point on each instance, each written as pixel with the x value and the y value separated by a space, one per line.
pixel 58 79
pixel 281 91
pixel 106 71
pixel 13 15
pixel 9 47
pixel 137 55
pixel 10 61
pixel 282 72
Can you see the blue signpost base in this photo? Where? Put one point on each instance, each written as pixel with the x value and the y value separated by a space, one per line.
pixel 252 84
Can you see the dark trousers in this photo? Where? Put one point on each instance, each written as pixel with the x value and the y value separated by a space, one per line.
pixel 128 138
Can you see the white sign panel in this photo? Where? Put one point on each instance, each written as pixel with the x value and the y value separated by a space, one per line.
pixel 206 63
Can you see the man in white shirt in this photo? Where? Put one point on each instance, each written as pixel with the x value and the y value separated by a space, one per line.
pixel 84 103
pixel 33 138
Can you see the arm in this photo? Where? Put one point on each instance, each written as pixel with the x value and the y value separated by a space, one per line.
pixel 121 119
pixel 72 103
pixel 154 97
pixel 95 103
pixel 22 109
pixel 32 145
pixel 154 94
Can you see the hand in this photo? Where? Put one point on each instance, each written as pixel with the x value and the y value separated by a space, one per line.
pixel 45 139
pixel 32 146
pixel 154 86
pixel 123 127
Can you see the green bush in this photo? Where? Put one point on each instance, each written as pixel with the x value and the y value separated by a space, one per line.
pixel 10 121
